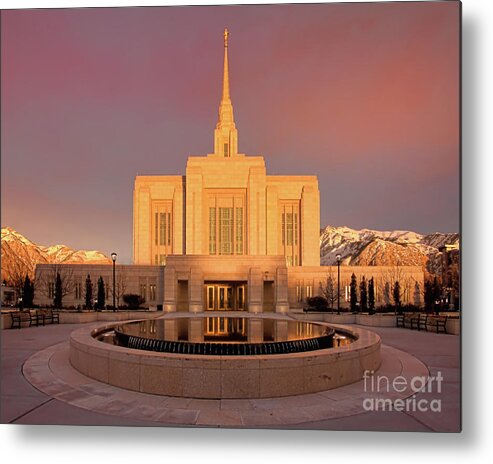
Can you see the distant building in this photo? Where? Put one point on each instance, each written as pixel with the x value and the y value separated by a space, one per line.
pixel 8 296
pixel 227 236
pixel 451 275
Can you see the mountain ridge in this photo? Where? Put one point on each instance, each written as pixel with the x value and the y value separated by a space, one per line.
pixel 20 255
pixel 368 247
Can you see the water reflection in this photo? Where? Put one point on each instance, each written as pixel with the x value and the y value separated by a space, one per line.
pixel 227 336
pixel 223 330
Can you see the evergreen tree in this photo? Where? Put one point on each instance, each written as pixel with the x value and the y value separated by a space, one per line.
pixel 437 294
pixel 371 296
pixel 88 292
pixel 397 295
pixel 429 299
pixel 417 295
pixel 353 294
pixel 101 293
pixel 27 293
pixel 57 300
pixel 363 295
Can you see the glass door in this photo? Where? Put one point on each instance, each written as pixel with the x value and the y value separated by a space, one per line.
pixel 210 297
pixel 225 298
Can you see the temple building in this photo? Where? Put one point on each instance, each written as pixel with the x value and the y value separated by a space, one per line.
pixel 227 236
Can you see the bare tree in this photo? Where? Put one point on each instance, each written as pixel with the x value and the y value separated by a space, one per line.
pixel 120 285
pixel 328 289
pixel 15 273
pixel 45 283
pixel 394 274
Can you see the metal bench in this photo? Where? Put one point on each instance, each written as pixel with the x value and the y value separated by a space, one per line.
pixel 399 320
pixel 47 316
pixel 418 321
pixel 20 317
pixel 437 323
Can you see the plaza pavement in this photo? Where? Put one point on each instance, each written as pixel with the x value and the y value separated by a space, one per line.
pixel 39 356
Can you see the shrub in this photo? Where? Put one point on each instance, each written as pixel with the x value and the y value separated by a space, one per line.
pixel 133 301
pixel 317 303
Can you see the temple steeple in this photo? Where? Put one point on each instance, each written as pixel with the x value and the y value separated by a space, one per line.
pixel 226 135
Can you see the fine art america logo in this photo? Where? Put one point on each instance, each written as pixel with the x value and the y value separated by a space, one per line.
pixel 381 388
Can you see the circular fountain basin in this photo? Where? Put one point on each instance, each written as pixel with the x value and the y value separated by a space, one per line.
pixel 226 374
pixel 225 336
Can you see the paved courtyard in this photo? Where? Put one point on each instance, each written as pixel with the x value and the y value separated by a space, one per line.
pixel 38 386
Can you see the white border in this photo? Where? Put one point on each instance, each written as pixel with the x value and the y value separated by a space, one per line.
pixel 89 445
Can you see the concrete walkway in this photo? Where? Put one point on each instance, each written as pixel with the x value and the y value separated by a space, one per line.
pixel 38 386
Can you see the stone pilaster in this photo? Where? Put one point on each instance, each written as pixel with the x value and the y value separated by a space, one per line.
pixel 310 226
pixel 281 289
pixel 169 289
pixel 255 290
pixel 196 290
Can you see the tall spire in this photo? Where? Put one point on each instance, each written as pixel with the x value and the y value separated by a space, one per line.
pixel 226 135
pixel 226 69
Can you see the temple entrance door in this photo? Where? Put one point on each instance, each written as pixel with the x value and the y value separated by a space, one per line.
pixel 225 298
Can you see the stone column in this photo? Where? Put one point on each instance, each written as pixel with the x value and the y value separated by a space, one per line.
pixel 196 290
pixel 194 211
pixel 310 226
pixel 141 225
pixel 272 220
pixel 255 290
pixel 170 284
pixel 281 290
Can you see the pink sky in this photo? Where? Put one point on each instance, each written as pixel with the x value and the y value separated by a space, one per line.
pixel 365 96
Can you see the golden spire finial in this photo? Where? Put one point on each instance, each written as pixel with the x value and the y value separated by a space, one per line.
pixel 226 35
pixel 226 135
pixel 226 70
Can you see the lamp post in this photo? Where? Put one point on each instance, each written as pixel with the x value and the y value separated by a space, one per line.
pixel 338 284
pixel 113 258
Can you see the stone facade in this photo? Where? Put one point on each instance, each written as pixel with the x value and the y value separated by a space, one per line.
pixel 226 205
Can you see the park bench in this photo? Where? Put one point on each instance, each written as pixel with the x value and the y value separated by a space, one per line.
pixel 47 316
pixel 21 317
pixel 405 320
pixel 408 317
pixel 418 321
pixel 437 323
pixel 399 320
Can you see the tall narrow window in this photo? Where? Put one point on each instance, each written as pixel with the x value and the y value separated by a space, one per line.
pixel 289 229
pixel 155 227
pixel 295 223
pixel 290 232
pixel 226 150
pixel 212 231
pixel 226 231
pixel 283 231
pixel 239 231
pixel 169 229
pixel 152 292
pixel 78 291
pixel 162 228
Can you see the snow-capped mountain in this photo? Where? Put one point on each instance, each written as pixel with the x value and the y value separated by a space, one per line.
pixel 368 247
pixel 20 255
